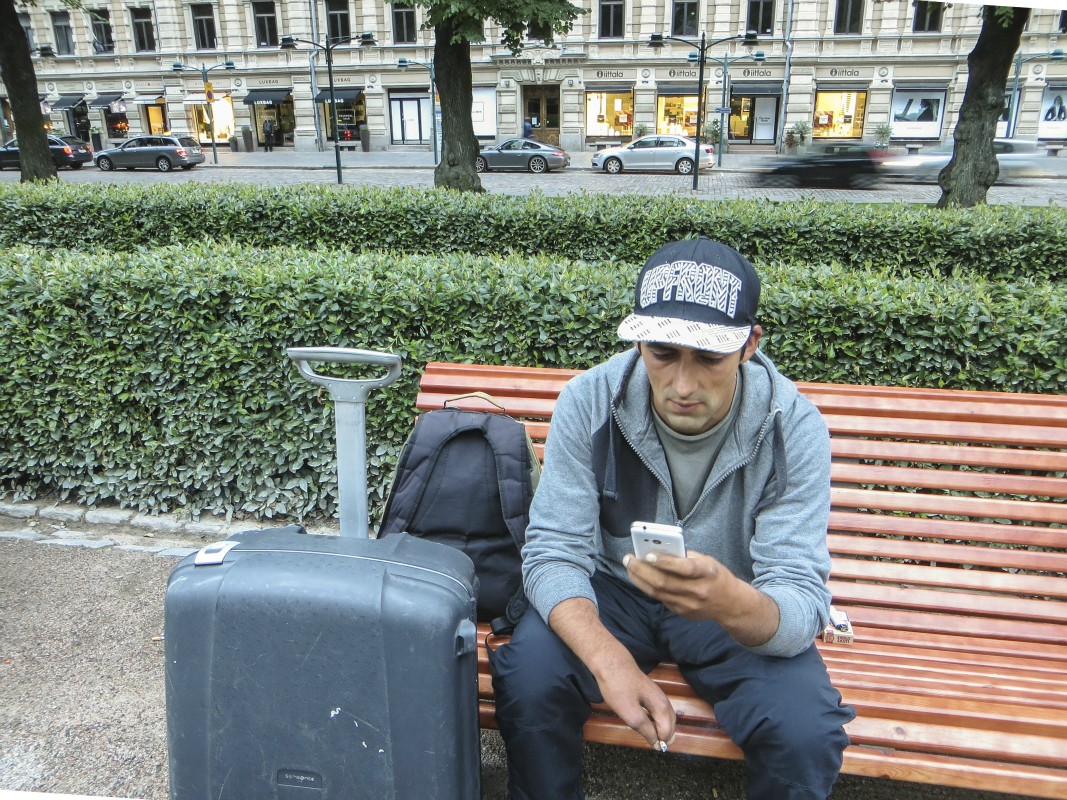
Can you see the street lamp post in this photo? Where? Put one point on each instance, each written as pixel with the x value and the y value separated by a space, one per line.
pixel 404 63
pixel 1013 101
pixel 365 40
pixel 209 95
pixel 656 41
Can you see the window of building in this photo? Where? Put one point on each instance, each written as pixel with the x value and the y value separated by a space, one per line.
pixel 338 22
pixel 103 35
pixel 839 115
pixel 144 30
pixel 204 26
pixel 676 115
pixel 266 22
pixel 849 16
pixel 609 113
pixel 684 20
pixel 27 28
pixel 404 30
pixel 927 17
pixel 611 19
pixel 761 16
pixel 1063 22
pixel 63 33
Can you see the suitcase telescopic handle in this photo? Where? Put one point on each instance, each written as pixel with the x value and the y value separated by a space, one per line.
pixel 350 399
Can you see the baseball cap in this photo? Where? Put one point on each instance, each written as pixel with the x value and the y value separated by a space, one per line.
pixel 695 293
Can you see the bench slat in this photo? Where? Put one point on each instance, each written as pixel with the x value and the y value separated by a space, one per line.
pixel 979 507
pixel 862 523
pixel 941 553
pixel 961 455
pixel 992 483
pixel 952 578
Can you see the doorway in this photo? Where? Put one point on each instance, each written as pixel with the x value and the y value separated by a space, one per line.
pixel 542 109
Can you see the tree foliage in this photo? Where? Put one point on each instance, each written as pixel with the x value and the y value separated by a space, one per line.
pixel 456 24
pixel 21 82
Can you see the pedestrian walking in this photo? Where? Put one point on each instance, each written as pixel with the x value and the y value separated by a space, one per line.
pixel 268 135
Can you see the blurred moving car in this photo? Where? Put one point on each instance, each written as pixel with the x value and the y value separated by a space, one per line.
pixel 522 154
pixel 841 164
pixel 161 152
pixel 1018 158
pixel 67 151
pixel 657 152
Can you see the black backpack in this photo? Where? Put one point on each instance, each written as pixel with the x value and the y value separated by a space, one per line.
pixel 466 478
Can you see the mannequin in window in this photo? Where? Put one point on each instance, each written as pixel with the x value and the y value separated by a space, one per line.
pixel 1056 111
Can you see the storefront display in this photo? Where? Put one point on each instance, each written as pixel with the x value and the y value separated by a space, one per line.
pixel 917 113
pixel 676 115
pixel 1052 122
pixel 409 117
pixel 839 114
pixel 200 121
pixel 351 111
pixel 277 106
pixel 609 112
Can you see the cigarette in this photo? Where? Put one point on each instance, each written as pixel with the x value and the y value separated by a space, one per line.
pixel 661 746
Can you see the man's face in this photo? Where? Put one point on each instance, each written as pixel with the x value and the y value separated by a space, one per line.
pixel 692 390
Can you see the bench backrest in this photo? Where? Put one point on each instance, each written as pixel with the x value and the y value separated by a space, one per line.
pixel 948 520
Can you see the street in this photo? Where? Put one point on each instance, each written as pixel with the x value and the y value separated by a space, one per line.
pixel 736 179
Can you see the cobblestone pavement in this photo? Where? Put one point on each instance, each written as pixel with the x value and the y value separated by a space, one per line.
pixel 737 179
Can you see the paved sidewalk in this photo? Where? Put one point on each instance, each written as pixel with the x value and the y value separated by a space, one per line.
pixel 81 671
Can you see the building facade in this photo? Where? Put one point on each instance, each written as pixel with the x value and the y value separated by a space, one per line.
pixel 843 67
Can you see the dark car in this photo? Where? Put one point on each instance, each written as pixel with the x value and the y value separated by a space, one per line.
pixel 833 164
pixel 528 155
pixel 157 152
pixel 67 151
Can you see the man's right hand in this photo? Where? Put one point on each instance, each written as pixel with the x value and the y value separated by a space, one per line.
pixel 631 694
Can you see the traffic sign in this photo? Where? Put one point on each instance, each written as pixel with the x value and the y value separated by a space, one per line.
pixel 209 92
pixel 722 111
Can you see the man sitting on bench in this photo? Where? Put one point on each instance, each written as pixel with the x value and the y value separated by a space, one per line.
pixel 694 427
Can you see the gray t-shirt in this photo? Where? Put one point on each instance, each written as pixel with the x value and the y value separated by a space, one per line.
pixel 691 458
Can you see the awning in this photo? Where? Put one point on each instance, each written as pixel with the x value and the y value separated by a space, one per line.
pixel 66 101
pixel 831 86
pixel 200 99
pixel 678 89
pixel 755 89
pixel 148 99
pixel 920 86
pixel 342 95
pixel 614 88
pixel 104 100
pixel 263 97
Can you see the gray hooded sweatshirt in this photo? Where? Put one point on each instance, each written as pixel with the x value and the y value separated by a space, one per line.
pixel 763 511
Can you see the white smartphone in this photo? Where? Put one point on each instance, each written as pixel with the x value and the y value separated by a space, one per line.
pixel 652 537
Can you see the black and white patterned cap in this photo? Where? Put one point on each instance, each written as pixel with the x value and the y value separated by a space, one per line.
pixel 694 293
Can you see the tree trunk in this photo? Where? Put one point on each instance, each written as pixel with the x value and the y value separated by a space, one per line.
pixel 21 82
pixel 459 145
pixel 966 179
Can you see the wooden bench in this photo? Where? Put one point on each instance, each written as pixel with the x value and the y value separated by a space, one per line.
pixel 948 534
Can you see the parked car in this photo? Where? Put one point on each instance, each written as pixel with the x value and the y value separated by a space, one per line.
pixel 668 153
pixel 1018 158
pixel 841 164
pixel 523 154
pixel 161 152
pixel 67 151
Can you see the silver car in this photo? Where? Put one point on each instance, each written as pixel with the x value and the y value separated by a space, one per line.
pixel 528 155
pixel 158 152
pixel 658 152
pixel 1018 158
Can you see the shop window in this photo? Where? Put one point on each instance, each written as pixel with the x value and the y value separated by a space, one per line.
pixel 338 22
pixel 839 115
pixel 849 16
pixel 677 115
pixel 63 33
pixel 404 30
pixel 1063 22
pixel 27 28
pixel 927 17
pixel 761 16
pixel 266 21
pixel 609 114
pixel 103 34
pixel 117 123
pixel 611 19
pixel 684 20
pixel 204 35
pixel 144 30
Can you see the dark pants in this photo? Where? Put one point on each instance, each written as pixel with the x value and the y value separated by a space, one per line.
pixel 782 712
pixel 268 143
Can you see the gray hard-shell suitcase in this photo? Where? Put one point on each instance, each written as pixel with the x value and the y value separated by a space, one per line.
pixel 320 667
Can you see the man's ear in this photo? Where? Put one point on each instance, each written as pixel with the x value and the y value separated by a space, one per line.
pixel 752 344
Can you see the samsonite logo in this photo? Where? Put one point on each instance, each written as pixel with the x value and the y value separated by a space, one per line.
pixel 299 777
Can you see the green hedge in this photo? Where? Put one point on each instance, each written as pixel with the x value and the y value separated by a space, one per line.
pixel 996 241
pixel 158 379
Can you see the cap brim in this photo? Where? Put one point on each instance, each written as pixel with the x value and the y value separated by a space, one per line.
pixel 670 330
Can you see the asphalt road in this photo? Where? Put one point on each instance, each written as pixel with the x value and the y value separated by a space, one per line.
pixel 737 179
